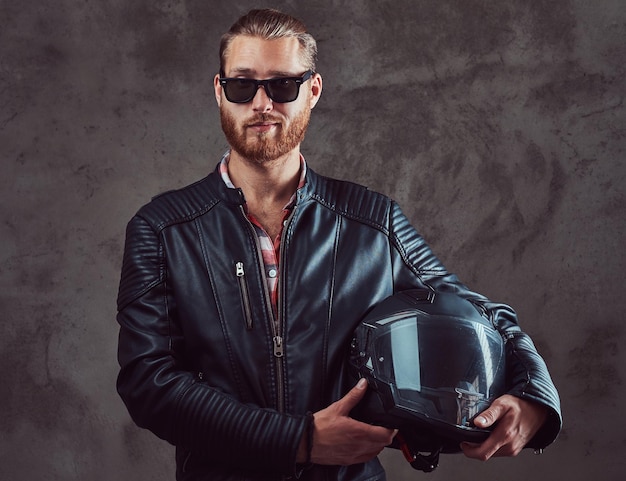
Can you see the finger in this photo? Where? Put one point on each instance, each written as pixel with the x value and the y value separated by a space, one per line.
pixel 482 452
pixel 380 435
pixel 352 398
pixel 489 416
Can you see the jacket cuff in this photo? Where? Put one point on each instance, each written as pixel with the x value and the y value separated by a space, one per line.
pixel 548 432
pixel 308 436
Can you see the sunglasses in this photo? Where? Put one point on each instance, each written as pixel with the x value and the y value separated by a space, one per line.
pixel 279 89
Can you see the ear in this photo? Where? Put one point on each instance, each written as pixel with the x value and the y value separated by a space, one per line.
pixel 316 89
pixel 218 90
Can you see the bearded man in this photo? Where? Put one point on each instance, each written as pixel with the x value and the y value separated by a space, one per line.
pixel 240 293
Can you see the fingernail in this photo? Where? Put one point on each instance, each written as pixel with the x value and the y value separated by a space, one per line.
pixel 481 420
pixel 362 383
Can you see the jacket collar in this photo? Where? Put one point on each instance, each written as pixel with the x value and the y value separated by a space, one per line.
pixel 236 196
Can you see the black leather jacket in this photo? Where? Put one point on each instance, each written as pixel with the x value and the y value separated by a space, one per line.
pixel 207 366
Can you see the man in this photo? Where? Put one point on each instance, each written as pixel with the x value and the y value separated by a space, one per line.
pixel 240 293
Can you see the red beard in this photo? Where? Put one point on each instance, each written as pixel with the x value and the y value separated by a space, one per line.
pixel 265 146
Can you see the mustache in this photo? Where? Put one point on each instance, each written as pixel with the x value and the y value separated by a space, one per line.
pixel 262 118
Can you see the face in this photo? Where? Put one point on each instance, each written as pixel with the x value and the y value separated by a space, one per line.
pixel 262 130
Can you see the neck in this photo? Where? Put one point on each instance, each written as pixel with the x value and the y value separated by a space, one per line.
pixel 266 183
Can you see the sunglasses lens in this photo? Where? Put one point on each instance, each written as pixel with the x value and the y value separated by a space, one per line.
pixel 240 90
pixel 283 90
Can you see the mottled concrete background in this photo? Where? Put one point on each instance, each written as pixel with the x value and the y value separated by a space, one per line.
pixel 498 125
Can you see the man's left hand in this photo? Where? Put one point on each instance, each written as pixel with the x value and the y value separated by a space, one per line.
pixel 517 422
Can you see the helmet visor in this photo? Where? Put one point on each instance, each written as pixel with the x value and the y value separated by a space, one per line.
pixel 443 368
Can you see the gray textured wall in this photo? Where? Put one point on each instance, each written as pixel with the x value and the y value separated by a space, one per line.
pixel 498 125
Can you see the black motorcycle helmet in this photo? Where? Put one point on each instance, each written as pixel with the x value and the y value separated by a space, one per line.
pixel 433 362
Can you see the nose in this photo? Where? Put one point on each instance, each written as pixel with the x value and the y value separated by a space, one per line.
pixel 261 101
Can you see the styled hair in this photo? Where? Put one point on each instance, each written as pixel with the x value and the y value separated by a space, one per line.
pixel 271 24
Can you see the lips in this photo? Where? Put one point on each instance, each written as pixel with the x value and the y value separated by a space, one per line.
pixel 262 124
pixel 261 128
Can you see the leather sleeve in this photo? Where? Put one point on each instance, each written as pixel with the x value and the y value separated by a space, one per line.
pixel 173 403
pixel 527 373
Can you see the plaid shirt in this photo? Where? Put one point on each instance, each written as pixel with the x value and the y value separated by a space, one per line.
pixel 270 248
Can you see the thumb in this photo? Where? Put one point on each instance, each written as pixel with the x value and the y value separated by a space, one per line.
pixel 488 417
pixel 352 398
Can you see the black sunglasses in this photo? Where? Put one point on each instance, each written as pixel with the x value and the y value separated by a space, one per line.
pixel 279 89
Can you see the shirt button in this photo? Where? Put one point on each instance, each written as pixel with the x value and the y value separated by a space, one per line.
pixel 272 273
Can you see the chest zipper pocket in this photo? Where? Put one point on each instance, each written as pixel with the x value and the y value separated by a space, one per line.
pixel 245 298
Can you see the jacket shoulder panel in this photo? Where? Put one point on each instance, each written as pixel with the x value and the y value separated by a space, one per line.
pixel 180 205
pixel 354 201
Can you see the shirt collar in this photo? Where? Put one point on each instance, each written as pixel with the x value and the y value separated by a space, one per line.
pixel 223 167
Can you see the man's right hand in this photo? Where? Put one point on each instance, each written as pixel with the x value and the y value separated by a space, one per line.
pixel 340 440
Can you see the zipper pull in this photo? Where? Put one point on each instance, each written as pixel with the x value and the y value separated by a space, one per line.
pixel 278 346
pixel 247 310
pixel 239 269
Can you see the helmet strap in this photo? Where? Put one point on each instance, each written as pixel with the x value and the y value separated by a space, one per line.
pixel 424 462
pixel 419 461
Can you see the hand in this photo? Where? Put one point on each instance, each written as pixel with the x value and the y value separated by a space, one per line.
pixel 517 422
pixel 340 440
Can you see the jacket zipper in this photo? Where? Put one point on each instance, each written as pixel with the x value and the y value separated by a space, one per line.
pixel 243 286
pixel 275 324
pixel 278 340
